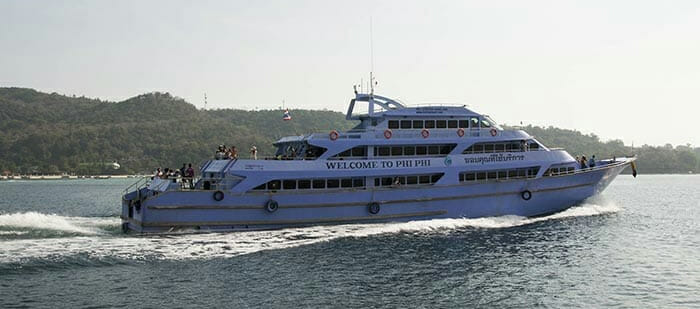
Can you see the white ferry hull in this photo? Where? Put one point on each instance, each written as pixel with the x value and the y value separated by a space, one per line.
pixel 196 210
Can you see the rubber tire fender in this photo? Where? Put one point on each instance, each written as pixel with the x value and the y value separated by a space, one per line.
pixel 374 208
pixel 271 206
pixel 526 195
pixel 218 196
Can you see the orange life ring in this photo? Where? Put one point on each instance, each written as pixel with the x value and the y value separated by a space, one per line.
pixel 494 132
pixel 460 132
pixel 425 133
pixel 387 133
pixel 333 135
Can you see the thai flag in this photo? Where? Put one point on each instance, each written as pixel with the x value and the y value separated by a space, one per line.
pixel 287 116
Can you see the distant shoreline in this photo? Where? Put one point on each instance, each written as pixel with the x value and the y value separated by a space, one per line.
pixel 59 177
pixel 68 177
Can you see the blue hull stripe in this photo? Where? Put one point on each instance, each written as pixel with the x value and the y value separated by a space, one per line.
pixel 164 207
pixel 288 222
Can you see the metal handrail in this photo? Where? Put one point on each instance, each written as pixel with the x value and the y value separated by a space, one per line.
pixel 137 183
pixel 596 168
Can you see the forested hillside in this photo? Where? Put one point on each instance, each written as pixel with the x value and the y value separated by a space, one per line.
pixel 53 133
pixel 651 159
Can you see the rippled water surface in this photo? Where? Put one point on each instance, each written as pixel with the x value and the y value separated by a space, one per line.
pixel 636 246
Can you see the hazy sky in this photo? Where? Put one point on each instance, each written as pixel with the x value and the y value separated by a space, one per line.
pixel 620 69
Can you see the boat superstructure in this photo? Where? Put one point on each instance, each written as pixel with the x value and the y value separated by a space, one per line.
pixel 399 163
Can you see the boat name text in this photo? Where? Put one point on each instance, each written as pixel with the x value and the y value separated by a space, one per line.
pixel 494 158
pixel 351 165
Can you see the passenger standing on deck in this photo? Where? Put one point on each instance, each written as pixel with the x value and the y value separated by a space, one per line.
pixel 591 162
pixel 583 162
pixel 219 152
pixel 183 169
pixel 234 153
pixel 190 175
pixel 254 152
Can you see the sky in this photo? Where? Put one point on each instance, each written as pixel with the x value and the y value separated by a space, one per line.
pixel 625 70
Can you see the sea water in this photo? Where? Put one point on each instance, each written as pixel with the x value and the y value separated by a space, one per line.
pixel 636 245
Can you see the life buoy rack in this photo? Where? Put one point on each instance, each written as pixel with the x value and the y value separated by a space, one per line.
pixel 425 133
pixel 494 132
pixel 387 133
pixel 526 195
pixel 333 135
pixel 460 132
pixel 373 208
pixel 218 196
pixel 271 206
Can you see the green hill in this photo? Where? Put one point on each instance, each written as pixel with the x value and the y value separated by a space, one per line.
pixel 52 133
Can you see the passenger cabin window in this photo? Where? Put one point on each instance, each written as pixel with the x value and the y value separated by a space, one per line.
pixel 435 124
pixel 400 180
pixel 500 174
pixel 503 146
pixel 410 150
pixel 355 152
pixel 559 170
pixel 307 184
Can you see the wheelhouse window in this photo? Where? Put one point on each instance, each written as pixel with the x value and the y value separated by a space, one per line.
pixel 473 122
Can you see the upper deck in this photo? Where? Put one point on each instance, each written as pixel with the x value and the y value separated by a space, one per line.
pixel 389 122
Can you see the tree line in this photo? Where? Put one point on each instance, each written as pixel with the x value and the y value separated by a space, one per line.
pixel 54 133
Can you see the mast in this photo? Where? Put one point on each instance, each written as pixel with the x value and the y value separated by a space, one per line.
pixel 370 111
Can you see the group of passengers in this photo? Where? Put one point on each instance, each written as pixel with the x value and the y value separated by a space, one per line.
pixel 224 153
pixel 186 173
pixel 586 163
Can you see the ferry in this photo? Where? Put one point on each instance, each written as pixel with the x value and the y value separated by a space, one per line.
pixel 399 163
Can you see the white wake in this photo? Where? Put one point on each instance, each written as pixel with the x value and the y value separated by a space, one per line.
pixel 94 241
